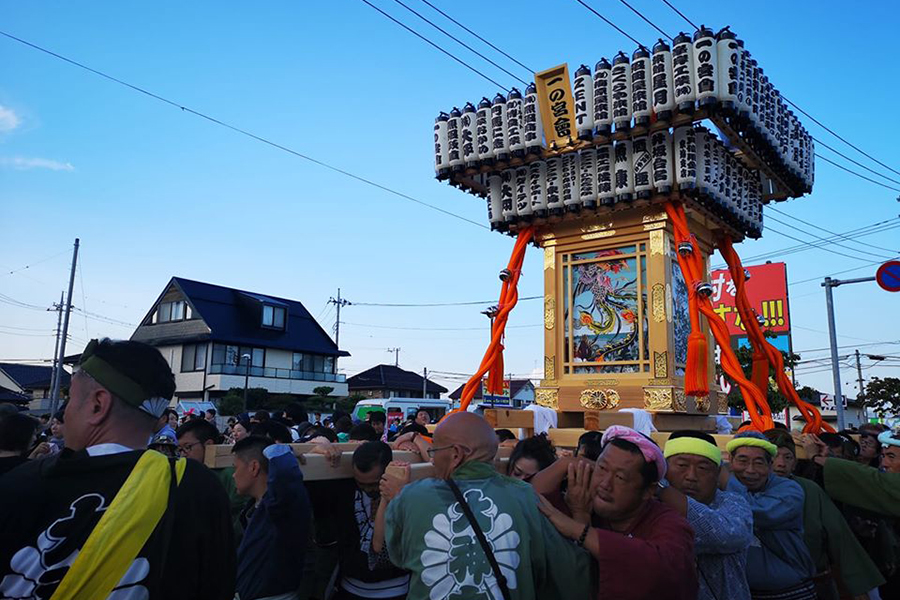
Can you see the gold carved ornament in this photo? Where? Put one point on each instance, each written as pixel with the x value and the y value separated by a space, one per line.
pixel 657 242
pixel 679 402
pixel 549 367
pixel 595 399
pixel 722 401
pixel 549 312
pixel 547 397
pixel 549 258
pixel 702 404
pixel 658 398
pixel 661 364
pixel 658 300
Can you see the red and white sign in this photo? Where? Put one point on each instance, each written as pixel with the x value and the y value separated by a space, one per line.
pixel 888 276
pixel 766 291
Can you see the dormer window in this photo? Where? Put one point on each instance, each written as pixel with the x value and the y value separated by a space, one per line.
pixel 178 310
pixel 273 316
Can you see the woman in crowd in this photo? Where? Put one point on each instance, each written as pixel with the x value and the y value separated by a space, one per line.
pixel 530 456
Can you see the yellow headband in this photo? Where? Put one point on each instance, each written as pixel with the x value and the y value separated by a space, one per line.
pixel 692 445
pixel 752 441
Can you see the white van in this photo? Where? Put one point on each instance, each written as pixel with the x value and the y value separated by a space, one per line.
pixel 399 410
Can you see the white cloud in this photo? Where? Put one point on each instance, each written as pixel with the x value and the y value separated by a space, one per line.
pixel 26 164
pixel 9 120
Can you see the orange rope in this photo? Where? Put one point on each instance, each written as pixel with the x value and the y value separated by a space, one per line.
pixel 772 356
pixel 692 268
pixel 509 296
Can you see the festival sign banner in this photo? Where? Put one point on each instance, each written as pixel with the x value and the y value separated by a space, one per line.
pixel 557 104
pixel 768 295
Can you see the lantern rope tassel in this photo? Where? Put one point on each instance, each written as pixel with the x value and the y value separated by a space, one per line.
pixel 692 267
pixel 812 416
pixel 509 296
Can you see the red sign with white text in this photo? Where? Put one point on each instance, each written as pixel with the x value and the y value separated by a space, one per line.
pixel 766 291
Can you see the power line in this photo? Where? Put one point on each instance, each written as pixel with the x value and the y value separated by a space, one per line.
pixel 877 262
pixel 477 36
pixel 651 23
pixel 858 164
pixel 460 42
pixel 820 238
pixel 241 131
pixel 13 302
pixel 429 304
pixel 483 328
pixel 826 249
pixel 852 172
pixel 430 43
pixel 691 23
pixel 608 22
pixel 37 262
pixel 842 236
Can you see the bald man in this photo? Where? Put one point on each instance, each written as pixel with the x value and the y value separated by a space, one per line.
pixel 427 531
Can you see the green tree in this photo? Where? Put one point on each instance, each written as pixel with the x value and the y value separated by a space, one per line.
pixel 777 401
pixel 883 395
pixel 231 404
pixel 323 391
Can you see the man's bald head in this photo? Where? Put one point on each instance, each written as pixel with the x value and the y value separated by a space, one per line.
pixel 470 431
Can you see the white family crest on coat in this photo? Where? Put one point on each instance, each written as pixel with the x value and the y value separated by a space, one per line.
pixel 455 565
pixel 38 570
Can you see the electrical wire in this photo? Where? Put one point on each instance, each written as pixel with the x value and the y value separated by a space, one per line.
pixel 858 164
pixel 244 132
pixel 877 262
pixel 648 21
pixel 448 17
pixel 483 328
pixel 430 304
pixel 430 43
pixel 460 42
pixel 691 23
pixel 826 249
pixel 839 235
pixel 608 22
pixel 820 238
pixel 37 262
pixel 852 172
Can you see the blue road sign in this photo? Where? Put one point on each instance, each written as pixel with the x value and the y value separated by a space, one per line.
pixel 888 276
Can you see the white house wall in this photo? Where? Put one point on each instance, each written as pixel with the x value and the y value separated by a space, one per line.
pixel 279 359
pixel 275 386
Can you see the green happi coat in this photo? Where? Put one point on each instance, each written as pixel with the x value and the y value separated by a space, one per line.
pixel 428 534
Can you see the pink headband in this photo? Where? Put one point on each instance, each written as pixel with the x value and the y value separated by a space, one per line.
pixel 650 451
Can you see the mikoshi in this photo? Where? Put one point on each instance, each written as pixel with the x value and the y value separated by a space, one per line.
pixel 629 177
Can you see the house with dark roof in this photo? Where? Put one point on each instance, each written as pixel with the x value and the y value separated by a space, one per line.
pixel 214 337
pixel 521 392
pixel 389 381
pixel 28 385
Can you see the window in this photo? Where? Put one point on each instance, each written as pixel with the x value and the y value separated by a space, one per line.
pixel 171 311
pixel 193 357
pixel 259 357
pixel 273 316
pixel 297 362
pixel 329 364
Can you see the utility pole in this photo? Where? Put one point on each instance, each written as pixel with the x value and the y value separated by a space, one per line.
pixel 54 395
pixel 828 284
pixel 338 302
pixel 859 377
pixel 396 352
pixel 58 308
pixel 424 382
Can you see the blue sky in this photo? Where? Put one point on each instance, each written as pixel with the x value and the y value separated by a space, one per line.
pixel 154 192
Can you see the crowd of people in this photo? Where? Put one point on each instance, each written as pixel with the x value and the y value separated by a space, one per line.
pixel 87 511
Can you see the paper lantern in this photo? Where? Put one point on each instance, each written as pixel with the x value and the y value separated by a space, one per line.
pixel 641 86
pixel 569 181
pixel 602 98
pixel 523 198
pixel 532 121
pixel 454 141
pixel 606 190
pixel 469 134
pixel 661 81
pixel 587 177
pixel 685 149
pixel 498 128
pixel 705 63
pixel 514 124
pixel 554 185
pixel 755 118
pixel 583 92
pixel 495 201
pixel 621 92
pixel 507 194
pixel 683 73
pixel 662 165
pixel 441 157
pixel 624 173
pixel 744 84
pixel 484 139
pixel 641 166
pixel 537 187
pixel 727 61
pixel 704 161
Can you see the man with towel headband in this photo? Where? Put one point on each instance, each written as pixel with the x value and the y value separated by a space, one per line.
pixel 106 516
pixel 643 548
pixel 779 565
pixel 722 521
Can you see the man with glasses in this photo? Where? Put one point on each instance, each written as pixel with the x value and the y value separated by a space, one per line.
pixel 193 438
pixel 428 532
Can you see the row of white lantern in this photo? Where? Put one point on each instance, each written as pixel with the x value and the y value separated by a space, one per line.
pixel 692 160
pixel 708 69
